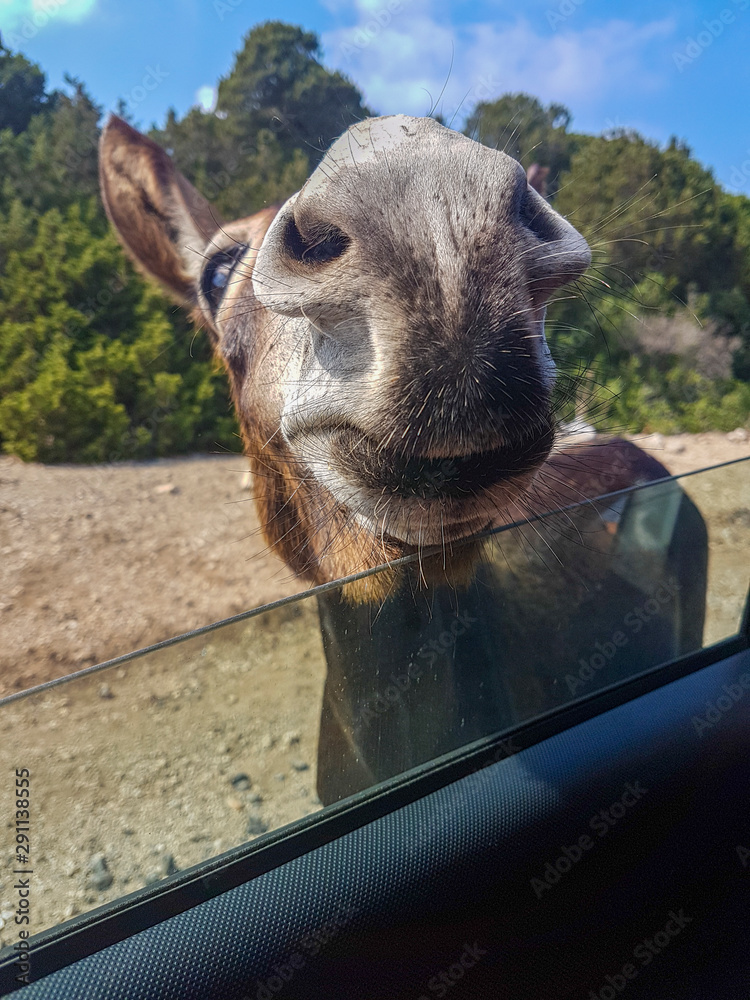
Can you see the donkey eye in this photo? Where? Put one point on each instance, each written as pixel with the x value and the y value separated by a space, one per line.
pixel 217 272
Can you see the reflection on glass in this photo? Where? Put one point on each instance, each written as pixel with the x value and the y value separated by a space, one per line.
pixel 179 753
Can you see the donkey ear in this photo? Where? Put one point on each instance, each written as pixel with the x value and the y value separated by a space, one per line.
pixel 162 221
pixel 537 178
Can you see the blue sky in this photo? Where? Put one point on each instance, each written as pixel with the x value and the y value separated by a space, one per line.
pixel 661 68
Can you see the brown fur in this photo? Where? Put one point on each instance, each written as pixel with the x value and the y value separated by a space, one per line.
pixel 147 200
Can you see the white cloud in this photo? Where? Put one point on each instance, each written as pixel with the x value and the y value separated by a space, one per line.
pixel 403 56
pixel 33 15
pixel 206 97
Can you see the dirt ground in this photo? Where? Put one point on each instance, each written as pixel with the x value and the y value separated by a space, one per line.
pixel 148 768
pixel 154 765
pixel 98 561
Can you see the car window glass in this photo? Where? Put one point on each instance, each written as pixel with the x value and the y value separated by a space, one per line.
pixel 177 753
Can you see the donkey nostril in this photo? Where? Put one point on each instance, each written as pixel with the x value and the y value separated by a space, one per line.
pixel 536 215
pixel 321 244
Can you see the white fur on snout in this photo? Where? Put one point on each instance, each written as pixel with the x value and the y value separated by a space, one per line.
pixel 409 519
pixel 540 348
pixel 362 143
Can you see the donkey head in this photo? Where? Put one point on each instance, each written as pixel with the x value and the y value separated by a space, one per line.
pixel 383 332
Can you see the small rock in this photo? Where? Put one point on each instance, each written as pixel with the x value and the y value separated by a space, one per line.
pixel 241 782
pixel 291 738
pixel 167 488
pixel 280 776
pixel 99 876
pixel 105 691
pixel 738 435
pixel 170 868
pixel 300 765
pixel 234 803
pixel 256 826
pixel 674 446
pixel 255 798
pixel 740 517
pixel 267 742
pixel 165 867
pixel 653 442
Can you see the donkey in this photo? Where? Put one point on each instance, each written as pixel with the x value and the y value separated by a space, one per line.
pixel 383 334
